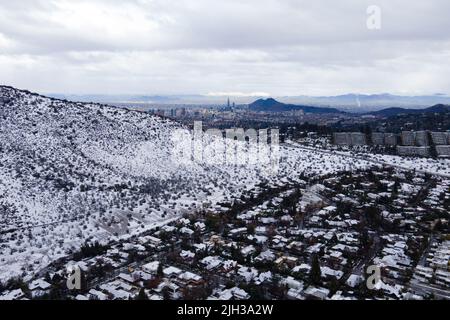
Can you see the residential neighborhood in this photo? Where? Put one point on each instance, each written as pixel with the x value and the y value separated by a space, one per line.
pixel 308 240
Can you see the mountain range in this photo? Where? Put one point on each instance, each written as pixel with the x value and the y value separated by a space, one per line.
pixel 362 103
pixel 389 112
pixel 272 105
pixel 357 103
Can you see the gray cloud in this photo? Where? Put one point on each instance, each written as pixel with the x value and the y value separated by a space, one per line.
pixel 288 47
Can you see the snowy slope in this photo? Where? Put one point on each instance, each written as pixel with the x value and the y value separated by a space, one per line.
pixel 70 171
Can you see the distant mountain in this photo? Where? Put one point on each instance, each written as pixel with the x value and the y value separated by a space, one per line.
pixel 362 103
pixel 272 105
pixel 439 108
pixel 352 102
pixel 389 112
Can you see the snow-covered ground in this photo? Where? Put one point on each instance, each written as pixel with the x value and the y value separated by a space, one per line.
pixel 72 172
pixel 426 165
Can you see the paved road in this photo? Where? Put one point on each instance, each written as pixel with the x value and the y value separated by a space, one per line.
pixel 425 289
pixel 423 258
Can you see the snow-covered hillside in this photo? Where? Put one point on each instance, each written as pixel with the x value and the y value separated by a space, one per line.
pixel 71 172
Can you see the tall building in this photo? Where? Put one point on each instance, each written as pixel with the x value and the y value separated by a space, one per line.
pixel 349 138
pixel 181 112
pixel 421 138
pixel 439 138
pixel 358 139
pixel 408 138
pixel 413 151
pixel 418 138
pixel 390 139
pixel 342 138
pixel 378 138
pixel 443 151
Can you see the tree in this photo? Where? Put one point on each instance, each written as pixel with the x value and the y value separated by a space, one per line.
pixel 334 285
pixel 213 222
pixel 315 273
pixel 251 228
pixel 195 293
pixel 142 295
pixel 166 293
pixel 159 271
pixel 364 239
pixel 373 216
pixel 256 292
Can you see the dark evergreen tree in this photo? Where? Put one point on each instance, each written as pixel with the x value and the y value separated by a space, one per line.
pixel 142 295
pixel 159 271
pixel 315 273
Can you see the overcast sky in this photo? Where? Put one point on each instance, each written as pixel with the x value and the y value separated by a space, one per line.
pixel 272 47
